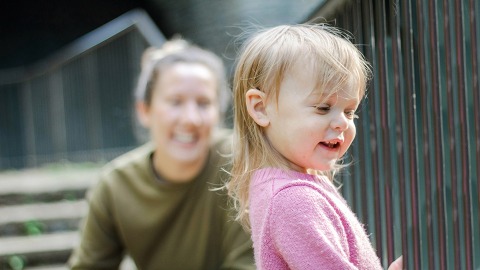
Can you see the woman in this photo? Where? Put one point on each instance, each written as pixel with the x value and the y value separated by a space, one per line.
pixel 155 203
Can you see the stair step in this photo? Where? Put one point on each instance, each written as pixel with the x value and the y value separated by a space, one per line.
pixel 48 267
pixel 127 264
pixel 41 181
pixel 44 243
pixel 43 211
pixel 34 227
pixel 45 259
pixel 46 201
pixel 33 186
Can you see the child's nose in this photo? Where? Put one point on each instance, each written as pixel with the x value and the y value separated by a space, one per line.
pixel 339 122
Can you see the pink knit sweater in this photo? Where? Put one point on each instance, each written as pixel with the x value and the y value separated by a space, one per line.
pixel 300 221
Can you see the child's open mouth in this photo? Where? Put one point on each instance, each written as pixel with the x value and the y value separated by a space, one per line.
pixel 332 145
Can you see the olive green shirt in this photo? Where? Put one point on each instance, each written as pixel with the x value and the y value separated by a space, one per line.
pixel 162 225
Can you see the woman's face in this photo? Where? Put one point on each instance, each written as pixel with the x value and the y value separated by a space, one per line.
pixel 182 113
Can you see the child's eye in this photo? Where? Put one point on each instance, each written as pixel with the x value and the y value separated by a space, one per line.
pixel 322 109
pixel 351 115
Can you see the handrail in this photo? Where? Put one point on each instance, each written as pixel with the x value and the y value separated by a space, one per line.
pixel 136 18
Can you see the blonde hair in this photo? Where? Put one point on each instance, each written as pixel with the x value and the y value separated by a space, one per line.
pixel 264 60
pixel 177 50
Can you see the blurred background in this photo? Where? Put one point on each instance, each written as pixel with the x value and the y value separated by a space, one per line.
pixel 68 69
pixel 60 56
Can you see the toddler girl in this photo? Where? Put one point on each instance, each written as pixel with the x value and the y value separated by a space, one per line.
pixel 296 90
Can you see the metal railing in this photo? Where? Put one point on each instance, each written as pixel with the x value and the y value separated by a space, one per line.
pixel 417 153
pixel 76 105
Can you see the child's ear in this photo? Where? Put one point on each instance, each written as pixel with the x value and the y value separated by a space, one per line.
pixel 256 102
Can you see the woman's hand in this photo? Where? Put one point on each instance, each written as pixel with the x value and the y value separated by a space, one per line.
pixel 397 264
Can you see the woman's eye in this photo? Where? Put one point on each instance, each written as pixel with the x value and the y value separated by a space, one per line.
pixel 204 103
pixel 175 102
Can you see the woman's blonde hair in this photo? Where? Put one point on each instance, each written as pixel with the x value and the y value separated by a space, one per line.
pixel 177 50
pixel 264 60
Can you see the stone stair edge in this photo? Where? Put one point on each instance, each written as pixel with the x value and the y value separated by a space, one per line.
pixel 43 211
pixel 40 181
pixel 44 243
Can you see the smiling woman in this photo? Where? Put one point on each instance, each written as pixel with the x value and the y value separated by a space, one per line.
pixel 162 190
pixel 178 100
pixel 180 116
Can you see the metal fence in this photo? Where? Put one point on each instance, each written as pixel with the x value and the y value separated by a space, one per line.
pixel 76 105
pixel 414 181
pixel 417 154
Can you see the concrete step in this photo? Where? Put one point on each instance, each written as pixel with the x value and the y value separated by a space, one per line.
pixel 43 211
pixel 52 202
pixel 45 243
pixel 33 251
pixel 41 218
pixel 36 185
pixel 48 267
pixel 127 264
pixel 36 181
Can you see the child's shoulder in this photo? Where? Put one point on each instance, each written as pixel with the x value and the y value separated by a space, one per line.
pixel 306 196
pixel 299 188
pixel 303 200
